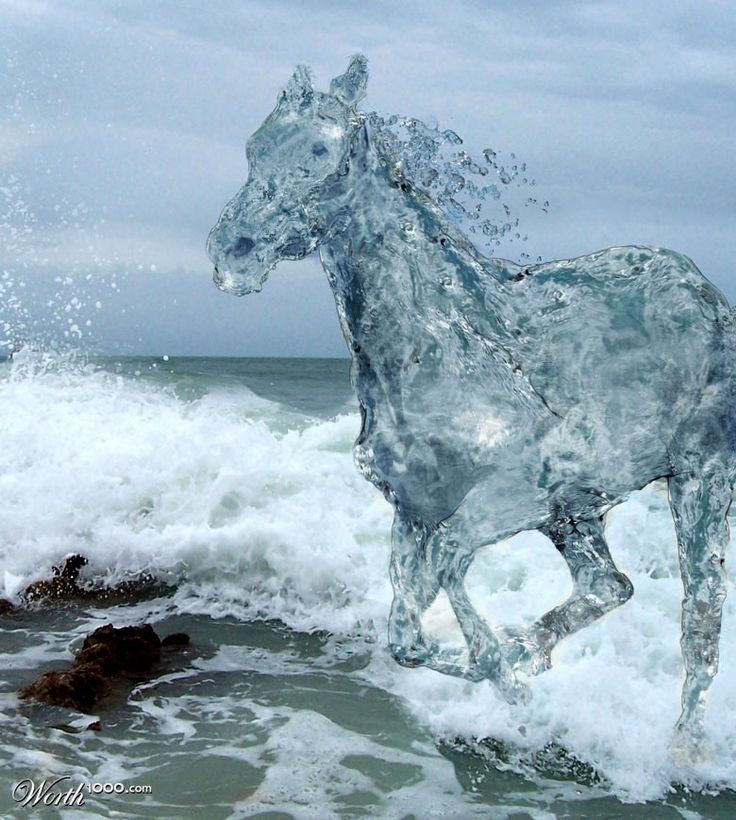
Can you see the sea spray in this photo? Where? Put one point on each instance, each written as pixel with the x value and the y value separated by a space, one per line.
pixel 486 197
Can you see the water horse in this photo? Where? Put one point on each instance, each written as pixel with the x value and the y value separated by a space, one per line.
pixel 497 398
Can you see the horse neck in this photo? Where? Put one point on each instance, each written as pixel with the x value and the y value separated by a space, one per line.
pixel 394 251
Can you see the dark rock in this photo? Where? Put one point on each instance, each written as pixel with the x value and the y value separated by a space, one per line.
pixel 95 726
pixel 67 728
pixel 140 588
pixel 6 606
pixel 64 587
pixel 109 655
pixel 127 649
pixel 78 688
pixel 72 565
pixel 176 639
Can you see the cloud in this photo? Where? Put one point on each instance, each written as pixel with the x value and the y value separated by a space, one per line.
pixel 127 247
pixel 24 12
pixel 624 112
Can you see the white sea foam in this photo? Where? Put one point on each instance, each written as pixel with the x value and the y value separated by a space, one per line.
pixel 126 473
pixel 315 761
pixel 253 518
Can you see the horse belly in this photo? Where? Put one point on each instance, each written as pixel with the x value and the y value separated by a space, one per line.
pixel 446 435
pixel 426 480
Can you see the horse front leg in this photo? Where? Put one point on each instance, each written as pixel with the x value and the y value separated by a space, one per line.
pixel 598 588
pixel 422 562
pixel 485 658
pixel 699 506
pixel 415 587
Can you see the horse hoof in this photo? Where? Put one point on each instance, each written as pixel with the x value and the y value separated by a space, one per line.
pixel 518 694
pixel 494 666
pixel 410 657
pixel 512 690
pixel 689 748
pixel 524 653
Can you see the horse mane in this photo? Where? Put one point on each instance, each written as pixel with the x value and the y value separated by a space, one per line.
pixel 478 196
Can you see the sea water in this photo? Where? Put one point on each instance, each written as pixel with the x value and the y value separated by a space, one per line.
pixel 232 481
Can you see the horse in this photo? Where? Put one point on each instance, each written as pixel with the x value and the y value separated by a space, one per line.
pixel 495 397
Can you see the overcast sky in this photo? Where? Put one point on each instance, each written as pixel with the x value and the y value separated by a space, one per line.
pixel 124 123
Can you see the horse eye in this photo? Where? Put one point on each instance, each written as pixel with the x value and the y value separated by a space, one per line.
pixel 242 246
pixel 318 149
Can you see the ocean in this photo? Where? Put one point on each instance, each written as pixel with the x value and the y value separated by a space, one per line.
pixel 232 481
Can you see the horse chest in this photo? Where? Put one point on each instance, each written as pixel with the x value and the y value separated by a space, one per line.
pixel 432 428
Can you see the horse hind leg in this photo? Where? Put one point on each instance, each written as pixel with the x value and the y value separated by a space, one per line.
pixel 598 588
pixel 699 504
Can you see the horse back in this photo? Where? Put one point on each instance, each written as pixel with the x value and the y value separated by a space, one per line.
pixel 631 336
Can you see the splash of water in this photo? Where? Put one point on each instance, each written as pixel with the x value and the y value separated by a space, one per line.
pixel 477 195
pixel 39 309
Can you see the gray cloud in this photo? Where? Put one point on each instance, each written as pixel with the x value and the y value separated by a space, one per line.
pixel 125 125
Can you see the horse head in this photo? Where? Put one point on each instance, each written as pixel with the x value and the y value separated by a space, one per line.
pixel 302 145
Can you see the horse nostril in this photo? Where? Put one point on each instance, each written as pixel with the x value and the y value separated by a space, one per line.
pixel 242 246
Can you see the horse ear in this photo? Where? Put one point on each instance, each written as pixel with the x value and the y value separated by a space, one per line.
pixel 299 91
pixel 350 86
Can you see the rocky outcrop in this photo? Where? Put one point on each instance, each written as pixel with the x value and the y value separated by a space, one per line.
pixel 110 657
pixel 64 587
